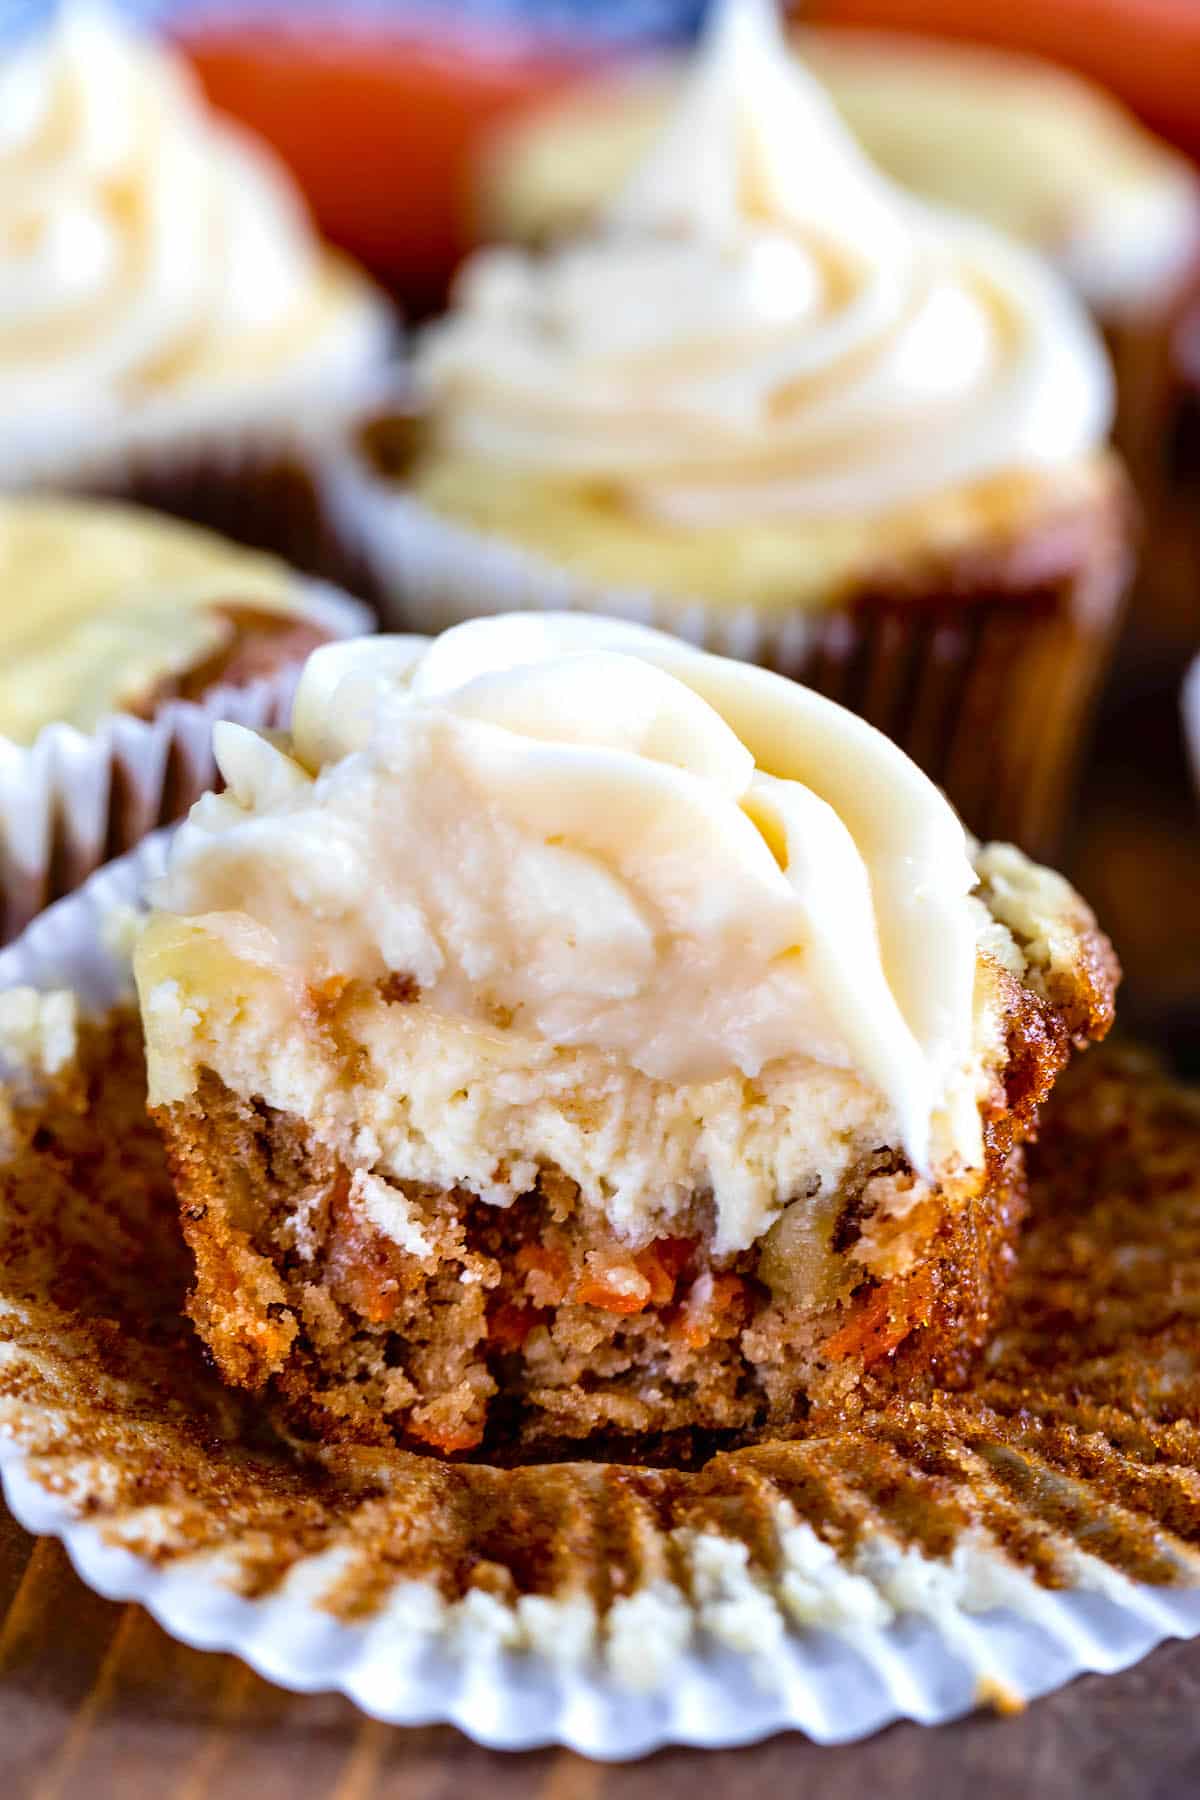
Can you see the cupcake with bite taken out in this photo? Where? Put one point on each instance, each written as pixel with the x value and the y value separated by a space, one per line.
pixel 565 1034
pixel 773 404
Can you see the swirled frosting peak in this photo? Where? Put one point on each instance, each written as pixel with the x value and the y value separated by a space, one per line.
pixel 154 261
pixel 590 834
pixel 761 324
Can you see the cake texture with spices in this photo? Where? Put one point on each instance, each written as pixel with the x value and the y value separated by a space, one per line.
pixel 566 1033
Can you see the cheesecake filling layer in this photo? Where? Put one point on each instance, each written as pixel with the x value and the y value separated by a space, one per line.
pixel 560 890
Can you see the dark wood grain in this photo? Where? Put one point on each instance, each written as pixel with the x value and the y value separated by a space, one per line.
pixel 96 1703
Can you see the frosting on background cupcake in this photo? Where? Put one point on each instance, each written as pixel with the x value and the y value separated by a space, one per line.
pixel 1031 148
pixel 761 326
pixel 158 271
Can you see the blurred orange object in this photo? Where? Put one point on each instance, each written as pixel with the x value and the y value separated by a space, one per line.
pixel 1145 51
pixel 378 127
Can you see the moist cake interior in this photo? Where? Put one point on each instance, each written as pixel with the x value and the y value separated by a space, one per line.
pixel 465 1327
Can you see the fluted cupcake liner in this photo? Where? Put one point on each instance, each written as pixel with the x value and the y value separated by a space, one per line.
pixel 251 476
pixel 986 682
pixel 985 1545
pixel 71 800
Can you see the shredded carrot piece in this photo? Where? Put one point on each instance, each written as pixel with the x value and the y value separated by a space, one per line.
pixel 662 1263
pixel 550 1267
pixel 728 1290
pixel 697 1325
pixel 366 1263
pixel 510 1324
pixel 623 1289
pixel 880 1320
pixel 444 1440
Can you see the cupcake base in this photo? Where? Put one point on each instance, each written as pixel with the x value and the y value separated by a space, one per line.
pixel 1156 360
pixel 1165 618
pixel 532 1327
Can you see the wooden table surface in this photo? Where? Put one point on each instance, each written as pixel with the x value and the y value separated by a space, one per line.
pixel 96 1701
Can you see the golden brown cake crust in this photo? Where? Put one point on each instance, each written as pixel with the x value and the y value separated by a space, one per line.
pixel 498 1328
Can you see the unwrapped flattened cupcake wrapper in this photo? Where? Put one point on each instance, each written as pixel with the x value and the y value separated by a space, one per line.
pixel 71 800
pixel 700 1647
pixel 990 697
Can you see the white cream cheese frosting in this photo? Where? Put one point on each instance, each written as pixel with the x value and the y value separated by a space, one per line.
pixel 1030 148
pixel 157 266
pixel 1033 148
pixel 762 325
pixel 584 839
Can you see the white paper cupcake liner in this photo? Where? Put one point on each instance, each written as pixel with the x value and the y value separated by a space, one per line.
pixel 244 466
pixel 71 800
pixel 705 1647
pixel 260 418
pixel 428 574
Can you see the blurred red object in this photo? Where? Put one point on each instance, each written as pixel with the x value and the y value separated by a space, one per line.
pixel 1145 51
pixel 378 127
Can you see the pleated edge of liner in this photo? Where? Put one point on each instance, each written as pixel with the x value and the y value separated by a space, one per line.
pixel 739 1670
pixel 430 572
pixel 834 1650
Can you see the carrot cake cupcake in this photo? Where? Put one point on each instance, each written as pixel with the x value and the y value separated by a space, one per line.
pixel 1033 149
pixel 169 319
pixel 108 615
pixel 570 1034
pixel 1036 151
pixel 776 404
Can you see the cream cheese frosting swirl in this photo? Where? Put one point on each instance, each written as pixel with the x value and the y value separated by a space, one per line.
pixel 591 834
pixel 155 263
pixel 762 325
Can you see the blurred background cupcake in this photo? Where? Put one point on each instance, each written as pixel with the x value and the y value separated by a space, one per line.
pixel 774 403
pixel 123 636
pixel 170 326
pixel 1031 148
